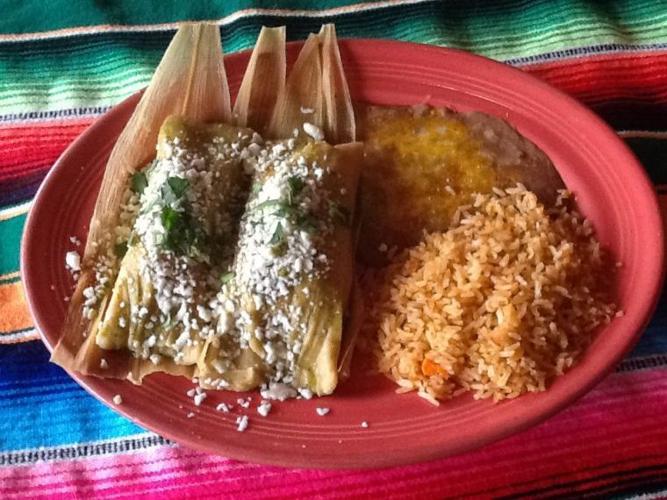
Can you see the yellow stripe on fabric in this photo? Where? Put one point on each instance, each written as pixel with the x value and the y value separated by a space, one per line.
pixel 10 276
pixel 14 211
pixel 240 14
pixel 14 313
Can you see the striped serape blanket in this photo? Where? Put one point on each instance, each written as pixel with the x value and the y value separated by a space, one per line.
pixel 63 64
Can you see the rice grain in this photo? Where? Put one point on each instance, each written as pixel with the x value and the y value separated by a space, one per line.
pixel 500 304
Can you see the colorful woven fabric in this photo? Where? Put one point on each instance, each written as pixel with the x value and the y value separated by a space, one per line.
pixel 63 64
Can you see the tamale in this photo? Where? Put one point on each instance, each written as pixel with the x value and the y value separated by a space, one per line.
pixel 162 306
pixel 190 81
pixel 290 324
pixel 295 263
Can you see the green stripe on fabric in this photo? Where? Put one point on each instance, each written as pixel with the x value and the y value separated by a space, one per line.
pixel 29 16
pixel 10 243
pixel 101 69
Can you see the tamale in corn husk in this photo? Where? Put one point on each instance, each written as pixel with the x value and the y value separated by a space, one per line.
pixel 293 314
pixel 163 304
pixel 190 81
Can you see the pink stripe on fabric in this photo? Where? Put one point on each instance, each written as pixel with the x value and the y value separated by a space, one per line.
pixel 625 409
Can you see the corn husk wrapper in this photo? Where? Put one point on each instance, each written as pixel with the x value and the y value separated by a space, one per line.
pixel 190 81
pixel 315 92
pixel 339 123
pixel 323 340
pixel 263 81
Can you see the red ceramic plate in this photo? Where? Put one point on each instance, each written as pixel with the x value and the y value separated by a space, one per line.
pixel 611 189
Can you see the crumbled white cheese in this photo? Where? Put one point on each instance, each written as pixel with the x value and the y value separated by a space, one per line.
pixel 199 398
pixel 278 391
pixel 190 415
pixel 264 408
pixel 242 423
pixel 73 261
pixel 223 407
pixel 383 247
pixel 279 249
pixel 364 424
pixel 103 364
pixel 322 411
pixel 75 240
pixel 305 393
pixel 313 131
pixel 117 399
pixel 306 111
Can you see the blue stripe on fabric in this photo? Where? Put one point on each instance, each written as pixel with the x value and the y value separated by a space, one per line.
pixel 40 405
pixel 654 338
pixel 15 191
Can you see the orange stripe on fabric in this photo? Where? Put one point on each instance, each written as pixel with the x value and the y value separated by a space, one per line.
pixel 14 313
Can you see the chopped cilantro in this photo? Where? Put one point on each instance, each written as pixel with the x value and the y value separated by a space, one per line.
pixel 170 218
pixel 226 277
pixel 295 185
pixel 278 241
pixel 284 210
pixel 178 186
pixel 280 249
pixel 139 182
pixel 121 249
pixel 181 236
pixel 278 235
pixel 256 187
pixel 281 208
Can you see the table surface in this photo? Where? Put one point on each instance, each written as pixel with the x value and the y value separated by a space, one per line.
pixel 64 64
